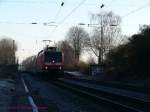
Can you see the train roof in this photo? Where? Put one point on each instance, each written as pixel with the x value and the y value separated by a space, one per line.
pixel 49 49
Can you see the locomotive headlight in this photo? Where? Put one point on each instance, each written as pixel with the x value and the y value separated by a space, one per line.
pixel 46 67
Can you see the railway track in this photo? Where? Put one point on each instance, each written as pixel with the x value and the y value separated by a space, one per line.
pixel 119 102
pixel 131 87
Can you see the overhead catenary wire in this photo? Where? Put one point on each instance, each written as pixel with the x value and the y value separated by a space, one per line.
pixel 27 23
pixel 129 13
pixel 110 3
pixel 44 23
pixel 132 12
pixel 57 14
pixel 59 10
pixel 136 10
pixel 69 14
pixel 28 2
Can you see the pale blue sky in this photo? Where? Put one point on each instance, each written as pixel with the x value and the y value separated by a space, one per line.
pixel 16 16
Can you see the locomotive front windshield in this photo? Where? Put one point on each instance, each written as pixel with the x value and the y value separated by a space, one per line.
pixel 53 57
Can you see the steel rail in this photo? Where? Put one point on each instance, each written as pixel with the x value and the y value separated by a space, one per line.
pixel 96 95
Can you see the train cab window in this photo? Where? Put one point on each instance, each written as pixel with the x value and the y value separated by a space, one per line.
pixel 53 57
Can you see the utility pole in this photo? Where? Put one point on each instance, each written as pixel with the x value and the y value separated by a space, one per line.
pixel 101 47
pixel 101 53
pixel 14 59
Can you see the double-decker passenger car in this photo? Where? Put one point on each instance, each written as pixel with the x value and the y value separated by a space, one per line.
pixel 50 61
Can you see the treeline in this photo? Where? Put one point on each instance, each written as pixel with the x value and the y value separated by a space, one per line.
pixel 30 63
pixel 131 59
pixel 8 48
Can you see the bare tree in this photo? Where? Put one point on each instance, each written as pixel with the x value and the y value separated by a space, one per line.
pixel 76 38
pixel 69 59
pixel 106 33
pixel 30 63
pixel 8 48
pixel 91 60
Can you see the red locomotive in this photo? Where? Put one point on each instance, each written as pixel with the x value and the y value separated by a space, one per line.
pixel 50 61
